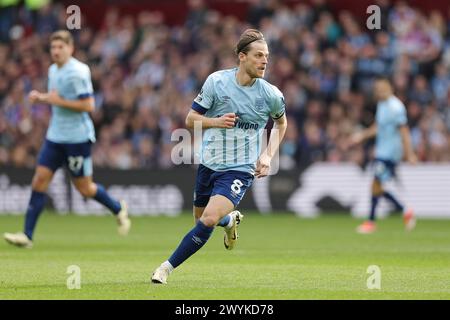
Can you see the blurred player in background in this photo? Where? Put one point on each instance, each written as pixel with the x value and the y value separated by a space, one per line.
pixel 233 107
pixel 391 143
pixel 69 138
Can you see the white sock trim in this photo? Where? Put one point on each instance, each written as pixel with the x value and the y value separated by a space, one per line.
pixel 230 223
pixel 166 264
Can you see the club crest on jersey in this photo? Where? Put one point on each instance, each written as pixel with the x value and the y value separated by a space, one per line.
pixel 259 104
pixel 224 100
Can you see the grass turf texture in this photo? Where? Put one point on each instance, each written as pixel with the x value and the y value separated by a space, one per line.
pixel 277 257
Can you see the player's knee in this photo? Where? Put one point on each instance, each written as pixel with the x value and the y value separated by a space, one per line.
pixel 377 189
pixel 87 191
pixel 210 220
pixel 40 183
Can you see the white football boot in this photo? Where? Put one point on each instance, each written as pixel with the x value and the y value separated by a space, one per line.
pixel 19 239
pixel 161 274
pixel 231 234
pixel 123 220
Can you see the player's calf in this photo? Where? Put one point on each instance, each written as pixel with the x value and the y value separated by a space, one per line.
pixel 191 243
pixel 88 191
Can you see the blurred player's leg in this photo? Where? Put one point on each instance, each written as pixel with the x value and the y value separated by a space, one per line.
pixel 41 180
pixel 369 226
pixel 81 171
pixel 391 198
pixel 18 239
pixel 383 174
pixel 50 159
pixel 409 219
pixel 123 220
pixel 218 206
pixel 89 189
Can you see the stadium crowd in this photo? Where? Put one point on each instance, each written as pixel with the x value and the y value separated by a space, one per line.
pixel 146 74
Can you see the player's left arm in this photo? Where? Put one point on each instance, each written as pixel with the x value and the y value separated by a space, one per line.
pixel 402 123
pixel 276 136
pixel 407 144
pixel 53 98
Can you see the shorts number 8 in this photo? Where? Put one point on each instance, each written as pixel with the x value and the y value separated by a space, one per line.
pixel 236 186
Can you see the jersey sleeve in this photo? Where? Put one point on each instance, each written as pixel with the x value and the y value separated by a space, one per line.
pixel 205 99
pixel 401 116
pixel 49 76
pixel 82 85
pixel 278 106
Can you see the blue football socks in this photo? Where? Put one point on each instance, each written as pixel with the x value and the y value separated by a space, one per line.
pixel 391 198
pixel 34 210
pixel 373 207
pixel 191 243
pixel 103 197
pixel 225 221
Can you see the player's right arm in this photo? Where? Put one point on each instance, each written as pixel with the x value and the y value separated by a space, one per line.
pixel 79 83
pixel 361 136
pixel 53 98
pixel 204 102
pixel 226 121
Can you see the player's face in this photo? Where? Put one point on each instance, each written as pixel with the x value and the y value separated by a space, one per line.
pixel 255 61
pixel 60 51
pixel 382 90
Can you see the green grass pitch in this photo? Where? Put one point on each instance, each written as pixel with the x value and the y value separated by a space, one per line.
pixel 277 257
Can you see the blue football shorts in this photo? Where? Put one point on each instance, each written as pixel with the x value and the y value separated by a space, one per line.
pixel 76 157
pixel 231 184
pixel 384 170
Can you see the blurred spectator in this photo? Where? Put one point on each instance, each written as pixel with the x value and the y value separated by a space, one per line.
pixel 420 92
pixel 258 10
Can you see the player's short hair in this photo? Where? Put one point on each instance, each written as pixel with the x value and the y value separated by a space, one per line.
pixel 247 37
pixel 383 79
pixel 63 35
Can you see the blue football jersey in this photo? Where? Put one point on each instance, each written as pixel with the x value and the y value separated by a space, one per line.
pixel 72 81
pixel 390 115
pixel 237 148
